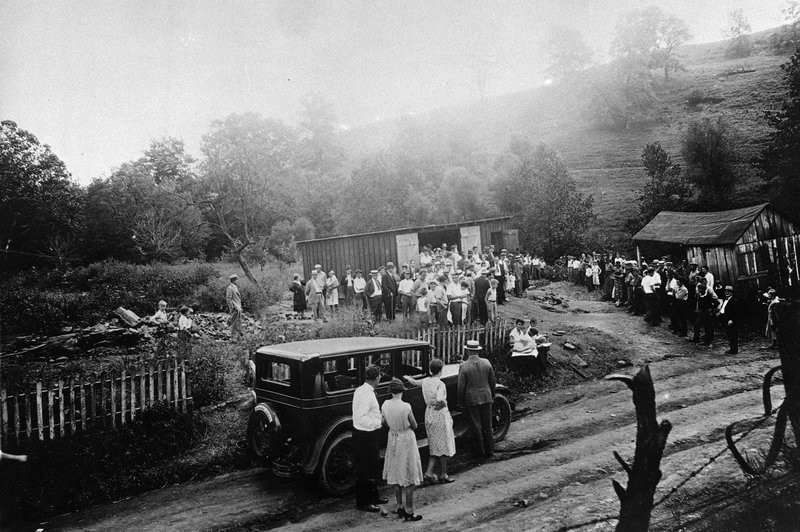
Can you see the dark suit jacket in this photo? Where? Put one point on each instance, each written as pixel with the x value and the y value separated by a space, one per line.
pixel 388 285
pixel 733 311
pixel 476 382
pixel 481 287
pixel 370 288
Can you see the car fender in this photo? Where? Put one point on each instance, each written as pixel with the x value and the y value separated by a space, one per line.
pixel 505 392
pixel 270 413
pixel 311 460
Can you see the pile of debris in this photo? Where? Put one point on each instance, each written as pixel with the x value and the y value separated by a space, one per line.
pixel 126 333
pixel 550 300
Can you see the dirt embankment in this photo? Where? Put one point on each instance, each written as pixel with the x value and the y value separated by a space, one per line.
pixel 555 468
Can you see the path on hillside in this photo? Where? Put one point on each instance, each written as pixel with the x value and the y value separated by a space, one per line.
pixel 557 456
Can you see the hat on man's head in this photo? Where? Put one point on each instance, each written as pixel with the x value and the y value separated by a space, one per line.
pixel 374 272
pixel 729 288
pixel 233 276
pixel 484 271
pixel 358 271
pixel 390 264
pixel 347 267
pixel 473 345
pixel 318 266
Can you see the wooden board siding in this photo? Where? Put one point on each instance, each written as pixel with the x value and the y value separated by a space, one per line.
pixel 371 250
pixel 768 225
pixel 777 259
pixel 721 261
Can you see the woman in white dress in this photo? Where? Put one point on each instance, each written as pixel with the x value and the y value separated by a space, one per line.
pixel 402 466
pixel 332 289
pixel 438 422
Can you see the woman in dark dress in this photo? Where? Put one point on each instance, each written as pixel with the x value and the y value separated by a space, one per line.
pixel 298 292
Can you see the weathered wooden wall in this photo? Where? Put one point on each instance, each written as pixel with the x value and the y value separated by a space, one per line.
pixel 721 261
pixel 370 250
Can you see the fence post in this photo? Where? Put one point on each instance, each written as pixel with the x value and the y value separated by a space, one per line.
pixel 28 412
pixel 159 382
pixel 133 394
pixel 16 416
pixel 183 386
pixel 122 397
pixel 83 401
pixel 112 378
pixel 150 382
pixel 60 407
pixel 168 381
pixel 175 383
pixel 103 403
pixel 51 428
pixel 39 423
pixel 4 416
pixel 72 404
pixel 142 390
pixel 92 399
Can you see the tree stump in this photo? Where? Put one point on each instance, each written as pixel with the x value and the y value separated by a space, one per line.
pixel 636 501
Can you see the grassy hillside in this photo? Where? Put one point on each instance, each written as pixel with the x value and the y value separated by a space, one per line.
pixel 606 162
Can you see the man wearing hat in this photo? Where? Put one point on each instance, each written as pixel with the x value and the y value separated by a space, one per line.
pixel 389 282
pixel 366 433
pixel 315 293
pixel 729 318
pixel 234 307
pixel 374 293
pixel 481 288
pixel 347 285
pixel 476 386
pixel 500 272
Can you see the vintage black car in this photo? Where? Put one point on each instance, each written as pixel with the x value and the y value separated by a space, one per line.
pixel 302 419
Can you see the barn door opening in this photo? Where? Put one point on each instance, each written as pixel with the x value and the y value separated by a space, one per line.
pixel 407 248
pixel 470 237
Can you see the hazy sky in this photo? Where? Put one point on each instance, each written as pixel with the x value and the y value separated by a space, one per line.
pixel 98 79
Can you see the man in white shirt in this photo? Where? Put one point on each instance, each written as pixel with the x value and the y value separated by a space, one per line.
pixel 366 422
pixel 359 284
pixel 406 291
pixel 708 275
pixel 651 283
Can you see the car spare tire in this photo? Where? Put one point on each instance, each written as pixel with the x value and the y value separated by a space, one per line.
pixel 337 472
pixel 260 433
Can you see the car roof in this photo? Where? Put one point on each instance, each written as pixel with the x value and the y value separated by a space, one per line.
pixel 328 347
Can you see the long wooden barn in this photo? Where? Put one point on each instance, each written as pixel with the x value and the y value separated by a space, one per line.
pixel 367 251
pixel 754 246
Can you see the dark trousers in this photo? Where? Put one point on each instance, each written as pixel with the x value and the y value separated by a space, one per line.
pixel 483 311
pixel 366 446
pixel 480 428
pixel 501 290
pixel 361 300
pixel 704 321
pixel 653 315
pixel 375 307
pixel 733 336
pixel 441 315
pixel 455 312
pixel 388 306
pixel 407 305
pixel 681 317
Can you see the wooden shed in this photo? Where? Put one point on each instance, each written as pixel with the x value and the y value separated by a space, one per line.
pixel 753 245
pixel 367 251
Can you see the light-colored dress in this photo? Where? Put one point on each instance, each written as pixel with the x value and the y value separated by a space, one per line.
pixel 333 290
pixel 402 465
pixel 438 423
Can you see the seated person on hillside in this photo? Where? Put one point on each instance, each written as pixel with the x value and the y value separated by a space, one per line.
pixel 161 315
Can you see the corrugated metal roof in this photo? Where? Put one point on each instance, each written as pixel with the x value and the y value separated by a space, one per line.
pixel 434 227
pixel 699 228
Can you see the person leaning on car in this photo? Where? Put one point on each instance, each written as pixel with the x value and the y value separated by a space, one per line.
pixel 366 422
pixel 476 386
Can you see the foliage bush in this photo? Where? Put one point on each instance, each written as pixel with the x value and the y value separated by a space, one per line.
pixel 95 466
pixel 216 372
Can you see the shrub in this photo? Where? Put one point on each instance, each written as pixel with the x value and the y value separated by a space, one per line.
pixel 94 466
pixel 216 372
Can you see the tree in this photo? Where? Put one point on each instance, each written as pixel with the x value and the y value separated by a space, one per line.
pixel 779 162
pixel 709 148
pixel 567 51
pixel 38 199
pixel 461 196
pixel 737 31
pixel 671 33
pixel 623 94
pixel 246 173
pixel 282 240
pixel 533 185
pixel 667 189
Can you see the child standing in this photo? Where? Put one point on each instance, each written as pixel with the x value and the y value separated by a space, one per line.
pixel 185 327
pixel 402 466
pixel 491 298
pixel 423 308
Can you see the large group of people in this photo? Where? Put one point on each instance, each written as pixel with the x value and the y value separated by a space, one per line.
pixel 684 294
pixel 402 467
pixel 444 287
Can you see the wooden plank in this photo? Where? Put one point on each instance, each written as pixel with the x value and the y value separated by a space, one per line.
pixel 112 398
pixel 39 422
pixel 61 408
pixel 103 421
pixel 150 383
pixel 123 399
pixel 92 396
pixel 175 383
pixel 159 382
pixel 142 388
pixel 16 417
pixel 183 386
pixel 72 415
pixel 133 394
pixel 51 429
pixel 28 412
pixel 3 417
pixel 82 391
pixel 168 394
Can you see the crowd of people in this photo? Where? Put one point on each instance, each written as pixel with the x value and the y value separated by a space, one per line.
pixel 443 288
pixel 402 466
pixel 684 294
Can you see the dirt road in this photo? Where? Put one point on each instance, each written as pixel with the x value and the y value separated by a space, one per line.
pixel 554 470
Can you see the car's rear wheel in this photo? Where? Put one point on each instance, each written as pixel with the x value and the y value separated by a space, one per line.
pixel 337 473
pixel 501 418
pixel 259 434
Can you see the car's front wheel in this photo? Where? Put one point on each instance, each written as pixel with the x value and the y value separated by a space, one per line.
pixel 337 473
pixel 501 418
